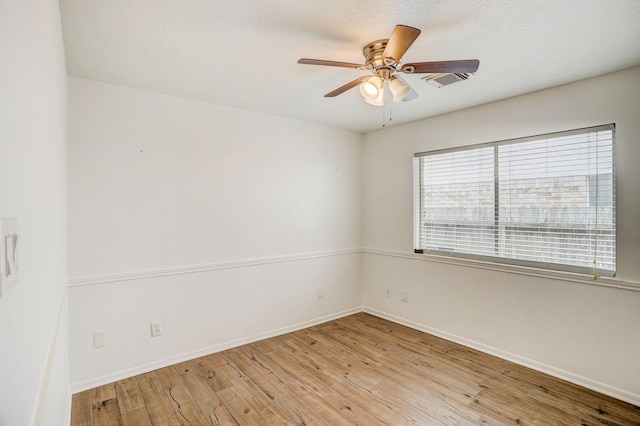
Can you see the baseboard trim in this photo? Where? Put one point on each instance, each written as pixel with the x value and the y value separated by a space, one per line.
pixel 43 389
pixel 603 388
pixel 111 278
pixel 141 369
pixel 67 417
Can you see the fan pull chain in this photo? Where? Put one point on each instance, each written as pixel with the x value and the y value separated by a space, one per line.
pixel 386 106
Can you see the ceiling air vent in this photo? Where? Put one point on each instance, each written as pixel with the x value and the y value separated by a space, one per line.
pixel 441 80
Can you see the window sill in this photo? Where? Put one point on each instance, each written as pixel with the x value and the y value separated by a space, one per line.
pixel 511 269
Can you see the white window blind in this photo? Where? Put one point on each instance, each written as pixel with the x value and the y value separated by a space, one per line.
pixel 546 201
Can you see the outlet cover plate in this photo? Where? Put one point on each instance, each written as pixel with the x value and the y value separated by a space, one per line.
pixel 156 329
pixel 99 339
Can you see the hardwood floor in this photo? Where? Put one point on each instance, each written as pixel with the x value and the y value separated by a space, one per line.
pixel 355 370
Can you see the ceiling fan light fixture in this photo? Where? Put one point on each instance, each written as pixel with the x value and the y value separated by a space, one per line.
pixel 399 88
pixel 383 58
pixel 371 88
pixel 378 100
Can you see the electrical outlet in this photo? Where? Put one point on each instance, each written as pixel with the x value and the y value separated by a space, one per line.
pixel 99 339
pixel 404 295
pixel 388 291
pixel 320 293
pixel 156 329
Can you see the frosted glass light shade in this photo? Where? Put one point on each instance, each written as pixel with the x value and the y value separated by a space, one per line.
pixel 371 88
pixel 378 101
pixel 399 88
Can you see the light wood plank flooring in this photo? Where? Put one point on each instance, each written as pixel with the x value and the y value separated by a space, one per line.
pixel 355 370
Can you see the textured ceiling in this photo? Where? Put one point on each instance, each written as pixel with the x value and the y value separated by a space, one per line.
pixel 243 53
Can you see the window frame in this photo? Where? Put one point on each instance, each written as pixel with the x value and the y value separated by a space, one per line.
pixel 508 261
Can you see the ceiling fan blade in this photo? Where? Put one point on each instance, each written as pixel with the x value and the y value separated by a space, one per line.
pixel 399 42
pixel 347 86
pixel 307 61
pixel 412 95
pixel 467 66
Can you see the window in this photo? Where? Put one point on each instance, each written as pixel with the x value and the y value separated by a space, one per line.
pixel 545 201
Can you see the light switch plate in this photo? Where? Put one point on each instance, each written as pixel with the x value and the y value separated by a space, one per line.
pixel 9 244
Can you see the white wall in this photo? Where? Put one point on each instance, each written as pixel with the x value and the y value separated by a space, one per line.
pixel 33 346
pixel 222 223
pixel 585 333
pixel 266 209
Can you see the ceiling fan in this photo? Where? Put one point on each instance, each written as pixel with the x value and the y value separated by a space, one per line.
pixel 382 59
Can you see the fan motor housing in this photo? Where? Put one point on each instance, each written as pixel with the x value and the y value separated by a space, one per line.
pixel 373 51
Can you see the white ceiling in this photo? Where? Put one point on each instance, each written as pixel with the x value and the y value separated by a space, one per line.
pixel 243 53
